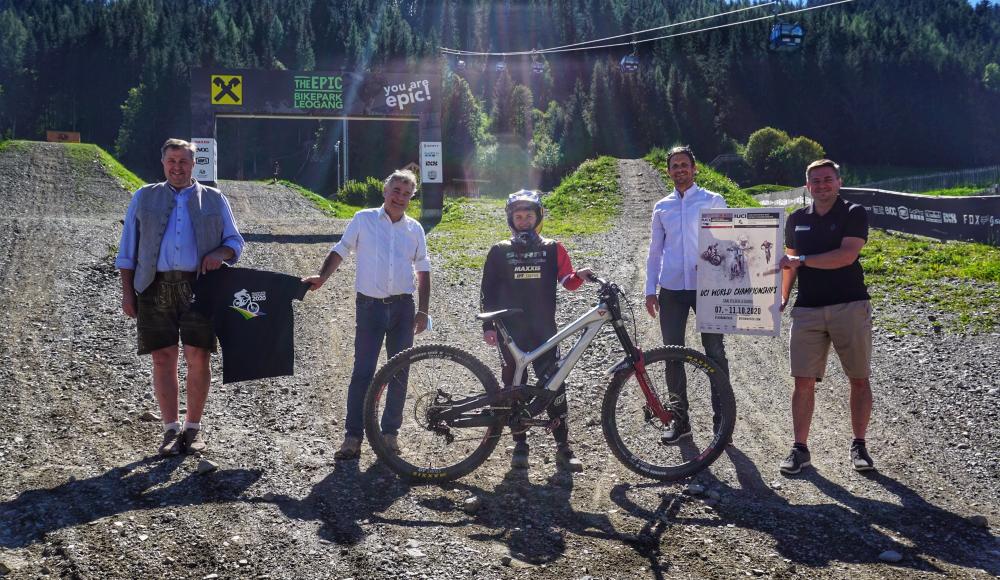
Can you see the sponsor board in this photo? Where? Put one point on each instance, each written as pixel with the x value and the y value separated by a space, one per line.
pixel 430 162
pixel 205 159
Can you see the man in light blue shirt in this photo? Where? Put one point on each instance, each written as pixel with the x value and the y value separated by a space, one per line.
pixel 671 266
pixel 173 231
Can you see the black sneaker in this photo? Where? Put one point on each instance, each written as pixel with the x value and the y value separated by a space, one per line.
pixel 860 458
pixel 795 461
pixel 676 431
pixel 519 458
pixel 568 460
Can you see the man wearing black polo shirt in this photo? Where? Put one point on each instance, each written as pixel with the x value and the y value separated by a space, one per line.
pixel 822 246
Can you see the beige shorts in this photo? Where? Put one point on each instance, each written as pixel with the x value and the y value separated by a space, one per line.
pixel 848 326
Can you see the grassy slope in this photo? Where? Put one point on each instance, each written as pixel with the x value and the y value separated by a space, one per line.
pixel 327 206
pixel 82 155
pixel 959 280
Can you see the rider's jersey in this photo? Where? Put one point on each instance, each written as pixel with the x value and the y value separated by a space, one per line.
pixel 251 311
pixel 527 279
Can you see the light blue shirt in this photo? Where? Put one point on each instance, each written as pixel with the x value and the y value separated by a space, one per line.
pixel 178 248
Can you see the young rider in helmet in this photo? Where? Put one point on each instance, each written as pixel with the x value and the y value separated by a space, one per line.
pixel 523 272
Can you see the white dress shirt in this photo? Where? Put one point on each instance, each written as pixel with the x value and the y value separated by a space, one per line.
pixel 388 253
pixel 673 247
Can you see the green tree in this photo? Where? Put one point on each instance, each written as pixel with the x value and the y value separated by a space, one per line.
pixel 13 42
pixel 760 146
pixel 991 76
pixel 789 161
pixel 461 117
pixel 520 106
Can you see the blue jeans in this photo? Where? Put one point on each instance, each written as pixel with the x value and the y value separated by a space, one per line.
pixel 378 322
pixel 674 306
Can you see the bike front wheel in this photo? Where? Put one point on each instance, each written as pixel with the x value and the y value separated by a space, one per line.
pixel 636 435
pixel 414 396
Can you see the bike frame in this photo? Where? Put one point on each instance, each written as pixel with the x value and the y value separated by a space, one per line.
pixel 591 323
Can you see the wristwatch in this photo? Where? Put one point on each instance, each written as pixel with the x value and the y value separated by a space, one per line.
pixel 802 259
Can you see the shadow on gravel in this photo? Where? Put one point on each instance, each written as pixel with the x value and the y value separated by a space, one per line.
pixel 343 500
pixel 646 543
pixel 140 485
pixel 532 520
pixel 934 532
pixel 853 529
pixel 292 238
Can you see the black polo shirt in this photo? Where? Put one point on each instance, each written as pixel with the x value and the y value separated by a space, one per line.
pixel 809 233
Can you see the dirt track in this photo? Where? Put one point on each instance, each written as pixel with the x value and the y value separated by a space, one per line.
pixel 82 496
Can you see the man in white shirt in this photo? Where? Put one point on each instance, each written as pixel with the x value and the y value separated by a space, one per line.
pixel 390 248
pixel 671 265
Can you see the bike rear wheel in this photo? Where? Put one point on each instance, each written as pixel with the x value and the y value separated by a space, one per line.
pixel 431 378
pixel 634 433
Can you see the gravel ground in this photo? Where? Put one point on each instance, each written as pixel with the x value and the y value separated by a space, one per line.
pixel 82 496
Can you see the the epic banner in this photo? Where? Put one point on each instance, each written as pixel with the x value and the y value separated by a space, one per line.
pixel 320 93
pixel 974 219
pixel 739 283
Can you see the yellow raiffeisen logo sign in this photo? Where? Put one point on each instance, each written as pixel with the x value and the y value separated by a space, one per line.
pixel 227 90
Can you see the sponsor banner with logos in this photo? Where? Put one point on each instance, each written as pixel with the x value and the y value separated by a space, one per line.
pixel 205 159
pixel 739 282
pixel 320 93
pixel 430 162
pixel 974 219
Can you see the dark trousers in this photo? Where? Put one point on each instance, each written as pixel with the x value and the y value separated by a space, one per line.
pixel 544 365
pixel 378 322
pixel 674 307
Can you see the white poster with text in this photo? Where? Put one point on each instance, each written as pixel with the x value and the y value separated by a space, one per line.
pixel 739 283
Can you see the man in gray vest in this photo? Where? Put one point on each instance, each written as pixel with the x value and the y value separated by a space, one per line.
pixel 173 231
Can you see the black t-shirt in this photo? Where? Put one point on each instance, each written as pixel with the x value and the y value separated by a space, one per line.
pixel 809 233
pixel 251 311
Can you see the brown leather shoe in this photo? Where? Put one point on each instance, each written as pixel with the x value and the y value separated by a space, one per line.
pixel 172 443
pixel 193 441
pixel 350 449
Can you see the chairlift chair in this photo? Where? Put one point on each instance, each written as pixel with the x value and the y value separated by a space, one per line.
pixel 501 66
pixel 629 63
pixel 537 66
pixel 786 37
pixel 460 65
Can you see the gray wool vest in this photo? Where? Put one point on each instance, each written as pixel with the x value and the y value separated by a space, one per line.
pixel 155 204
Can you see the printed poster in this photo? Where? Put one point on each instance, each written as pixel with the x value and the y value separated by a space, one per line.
pixel 739 282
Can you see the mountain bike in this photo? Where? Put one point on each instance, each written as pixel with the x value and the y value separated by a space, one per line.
pixel 455 410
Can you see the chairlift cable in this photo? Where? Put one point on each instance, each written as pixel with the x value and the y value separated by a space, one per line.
pixel 576 48
pixel 558 48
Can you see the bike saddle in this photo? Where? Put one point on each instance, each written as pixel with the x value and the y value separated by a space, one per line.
pixel 497 315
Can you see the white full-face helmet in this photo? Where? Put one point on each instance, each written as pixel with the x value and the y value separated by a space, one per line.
pixel 524 199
